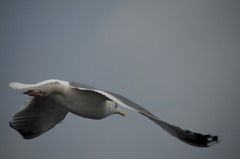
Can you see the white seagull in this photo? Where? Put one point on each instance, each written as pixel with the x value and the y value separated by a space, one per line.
pixel 51 100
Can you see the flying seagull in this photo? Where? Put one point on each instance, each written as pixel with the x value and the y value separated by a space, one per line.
pixel 50 101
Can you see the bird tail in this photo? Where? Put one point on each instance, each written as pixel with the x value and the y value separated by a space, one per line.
pixel 21 86
pixel 47 88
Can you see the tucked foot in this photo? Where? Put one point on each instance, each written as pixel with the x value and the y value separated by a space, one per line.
pixel 34 93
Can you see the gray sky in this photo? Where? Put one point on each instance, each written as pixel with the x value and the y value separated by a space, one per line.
pixel 178 59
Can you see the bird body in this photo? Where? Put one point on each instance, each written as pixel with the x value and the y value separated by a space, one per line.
pixel 87 104
pixel 51 100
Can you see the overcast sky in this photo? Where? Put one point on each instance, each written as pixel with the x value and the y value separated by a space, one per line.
pixel 178 59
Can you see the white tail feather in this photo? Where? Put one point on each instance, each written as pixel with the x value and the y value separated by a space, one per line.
pixel 47 86
pixel 20 86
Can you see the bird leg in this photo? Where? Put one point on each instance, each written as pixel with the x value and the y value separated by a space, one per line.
pixel 34 93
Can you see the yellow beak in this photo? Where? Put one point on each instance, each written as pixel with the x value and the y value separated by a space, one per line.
pixel 121 112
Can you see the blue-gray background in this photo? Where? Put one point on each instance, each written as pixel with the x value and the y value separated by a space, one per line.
pixel 178 59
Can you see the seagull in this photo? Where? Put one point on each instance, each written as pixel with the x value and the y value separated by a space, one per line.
pixel 50 101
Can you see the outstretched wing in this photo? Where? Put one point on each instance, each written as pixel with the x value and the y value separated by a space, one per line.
pixel 192 138
pixel 36 116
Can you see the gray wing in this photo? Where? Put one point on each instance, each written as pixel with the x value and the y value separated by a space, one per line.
pixel 189 137
pixel 36 116
pixel 79 85
pixel 192 138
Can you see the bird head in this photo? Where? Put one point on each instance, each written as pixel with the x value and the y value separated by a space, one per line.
pixel 113 107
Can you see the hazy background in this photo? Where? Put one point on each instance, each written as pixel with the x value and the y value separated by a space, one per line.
pixel 178 59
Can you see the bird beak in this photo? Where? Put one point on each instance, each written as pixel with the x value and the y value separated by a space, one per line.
pixel 121 112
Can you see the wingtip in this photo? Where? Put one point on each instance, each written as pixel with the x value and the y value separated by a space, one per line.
pixel 213 140
pixel 200 140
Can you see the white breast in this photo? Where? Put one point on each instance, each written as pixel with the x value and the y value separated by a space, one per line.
pixel 87 104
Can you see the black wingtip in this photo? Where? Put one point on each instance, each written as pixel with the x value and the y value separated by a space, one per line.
pixel 199 140
pixel 25 134
pixel 213 139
